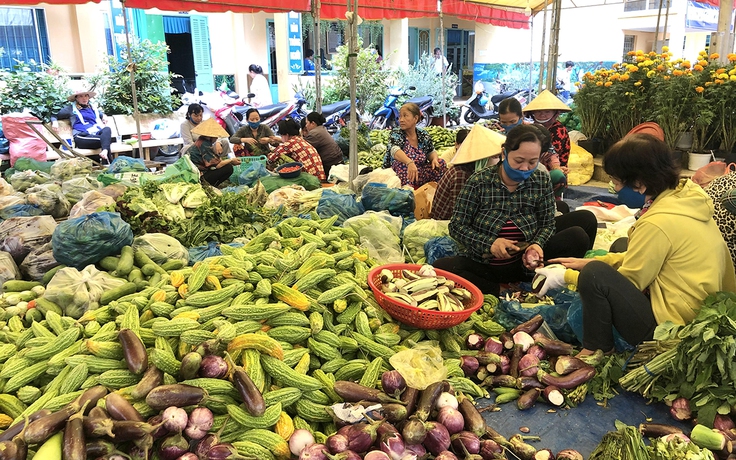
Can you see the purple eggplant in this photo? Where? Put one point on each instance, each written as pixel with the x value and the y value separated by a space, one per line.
pixel 314 452
pixel 528 365
pixel 393 383
pixel 173 447
pixel 493 345
pixel 200 422
pixel 452 419
pixel 680 409
pixel 150 380
pixel 120 409
pixel 178 395
pixel 446 455
pixel 97 423
pixel 414 431
pixel 475 341
pixel 134 351
pixel 490 449
pixel 469 365
pixel 175 419
pixel 190 364
pixel 14 430
pixel 337 443
pixel 361 436
pixel 213 367
pixel 393 446
pixel 467 441
pixel 438 438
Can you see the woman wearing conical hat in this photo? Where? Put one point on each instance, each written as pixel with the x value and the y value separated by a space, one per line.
pixel 214 169
pixel 545 109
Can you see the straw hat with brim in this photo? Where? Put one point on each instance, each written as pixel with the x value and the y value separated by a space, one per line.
pixel 546 101
pixel 481 143
pixel 648 127
pixel 209 128
pixel 72 97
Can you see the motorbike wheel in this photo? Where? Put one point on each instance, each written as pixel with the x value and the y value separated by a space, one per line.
pixel 425 121
pixel 378 122
pixel 470 117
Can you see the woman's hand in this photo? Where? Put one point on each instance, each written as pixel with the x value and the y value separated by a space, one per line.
pixel 412 173
pixel 248 140
pixel 533 257
pixel 572 262
pixel 235 161
pixel 265 140
pixel 435 162
pixel 500 248
pixel 55 126
pixel 217 147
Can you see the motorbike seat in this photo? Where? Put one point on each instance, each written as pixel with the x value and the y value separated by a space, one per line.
pixel 421 101
pixel 329 109
pixel 500 97
pixel 271 110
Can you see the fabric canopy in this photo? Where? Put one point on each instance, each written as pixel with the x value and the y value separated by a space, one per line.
pixel 219 6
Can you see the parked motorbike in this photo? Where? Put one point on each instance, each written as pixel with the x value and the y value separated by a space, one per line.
pixel 336 115
pixel 272 114
pixel 388 115
pixel 480 106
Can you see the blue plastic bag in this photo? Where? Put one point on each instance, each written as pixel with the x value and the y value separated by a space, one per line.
pixel 252 173
pixel 123 164
pixel 575 320
pixel 212 249
pixel 337 204
pixel 397 201
pixel 20 210
pixel 439 247
pixel 510 313
pixel 87 239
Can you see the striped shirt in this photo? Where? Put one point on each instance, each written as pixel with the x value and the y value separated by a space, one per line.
pixel 511 232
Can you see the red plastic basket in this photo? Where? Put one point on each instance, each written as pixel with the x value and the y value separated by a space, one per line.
pixel 418 317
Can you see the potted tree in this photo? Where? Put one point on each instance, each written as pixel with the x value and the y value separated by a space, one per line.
pixel 427 82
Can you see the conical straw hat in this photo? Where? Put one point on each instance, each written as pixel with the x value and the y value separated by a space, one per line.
pixel 209 128
pixel 546 101
pixel 481 143
pixel 73 96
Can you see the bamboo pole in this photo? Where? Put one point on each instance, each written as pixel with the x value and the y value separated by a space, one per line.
pixel 352 63
pixel 131 68
pixel 317 6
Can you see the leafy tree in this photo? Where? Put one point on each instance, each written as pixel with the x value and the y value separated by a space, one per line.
pixel 38 88
pixel 427 82
pixel 152 81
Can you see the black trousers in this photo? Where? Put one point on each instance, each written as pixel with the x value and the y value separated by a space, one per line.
pixel 100 140
pixel 575 235
pixel 215 177
pixel 610 300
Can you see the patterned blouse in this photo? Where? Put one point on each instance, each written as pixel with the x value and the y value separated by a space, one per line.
pixel 560 141
pixel 485 205
pixel 448 189
pixel 302 151
pixel 398 139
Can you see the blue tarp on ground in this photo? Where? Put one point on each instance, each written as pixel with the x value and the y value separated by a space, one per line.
pixel 580 428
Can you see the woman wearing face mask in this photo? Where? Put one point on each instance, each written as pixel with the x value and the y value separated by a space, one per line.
pixel 254 136
pixel 545 109
pixel 676 255
pixel 473 151
pixel 195 113
pixel 213 168
pixel 504 216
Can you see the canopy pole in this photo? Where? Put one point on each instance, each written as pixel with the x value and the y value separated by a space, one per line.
pixel 531 56
pixel 444 71
pixel 352 64
pixel 666 20
pixel 656 30
pixel 316 7
pixel 131 67
pixel 554 35
pixel 541 56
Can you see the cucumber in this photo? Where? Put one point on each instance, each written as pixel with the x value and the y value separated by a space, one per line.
pixel 19 285
pixel 116 293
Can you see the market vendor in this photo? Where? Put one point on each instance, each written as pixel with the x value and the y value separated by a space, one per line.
pixel 411 153
pixel 214 169
pixel 296 148
pixel 472 155
pixel 194 116
pixel 505 218
pixel 545 109
pixel 676 256
pixel 255 137
pixel 317 135
pixel 88 123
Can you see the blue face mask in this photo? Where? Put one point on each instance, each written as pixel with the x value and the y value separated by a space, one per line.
pixel 508 128
pixel 254 124
pixel 631 197
pixel 517 175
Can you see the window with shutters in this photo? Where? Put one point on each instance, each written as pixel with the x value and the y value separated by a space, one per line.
pixel 629 43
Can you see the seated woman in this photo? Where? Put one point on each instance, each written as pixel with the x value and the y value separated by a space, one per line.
pixel 545 109
pixel 214 169
pixel 722 190
pixel 676 256
pixel 505 218
pixel 317 135
pixel 255 137
pixel 472 155
pixel 509 114
pixel 88 124
pixel 411 153
pixel 195 113
pixel 296 148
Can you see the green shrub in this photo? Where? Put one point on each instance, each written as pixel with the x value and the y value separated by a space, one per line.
pixel 423 77
pixel 38 88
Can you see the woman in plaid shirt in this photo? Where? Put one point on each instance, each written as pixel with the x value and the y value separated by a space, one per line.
pixel 297 149
pixel 505 218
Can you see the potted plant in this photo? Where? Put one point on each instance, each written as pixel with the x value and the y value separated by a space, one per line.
pixel 423 77
pixel 719 93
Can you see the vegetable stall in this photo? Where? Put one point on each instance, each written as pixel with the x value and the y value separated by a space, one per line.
pixel 171 320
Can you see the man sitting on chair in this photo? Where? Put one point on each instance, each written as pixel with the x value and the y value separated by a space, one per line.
pixel 88 124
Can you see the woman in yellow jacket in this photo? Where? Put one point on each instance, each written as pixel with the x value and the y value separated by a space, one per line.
pixel 676 255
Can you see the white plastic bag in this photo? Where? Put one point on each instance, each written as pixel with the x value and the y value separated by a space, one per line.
pixel 161 247
pixel 377 176
pixel 38 262
pixel 379 234
pixel 370 218
pixel 418 233
pixel 5 187
pixel 91 201
pixel 78 291
pixel 77 186
pixel 284 195
pixel 24 234
pixel 50 199
pixel 8 268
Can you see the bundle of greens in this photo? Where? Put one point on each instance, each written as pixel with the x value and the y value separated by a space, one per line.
pixel 700 367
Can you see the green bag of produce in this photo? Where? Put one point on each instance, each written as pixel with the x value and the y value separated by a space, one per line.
pixel 86 240
pixel 306 180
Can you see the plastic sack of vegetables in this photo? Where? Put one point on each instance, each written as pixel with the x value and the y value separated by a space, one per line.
pixel 85 240
pixel 75 188
pixel 38 262
pixel 212 249
pixel 439 247
pixel 381 244
pixel 252 173
pixel 66 169
pixel 20 210
pixel 5 188
pixel 418 233
pixel 510 313
pixel 78 291
pixel 23 180
pixel 379 197
pixel 12 199
pixel 50 199
pixel 8 268
pixel 336 204
pixel 29 164
pixel 283 196
pixel 373 218
pixel 306 180
pixel 183 170
pixel 91 201
pixel 20 235
pixel 161 247
pixel 421 365
pixel 377 176
pixel 575 321
pixel 124 164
